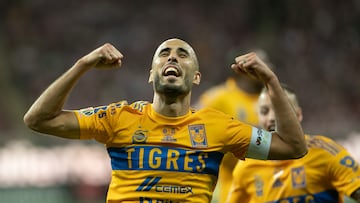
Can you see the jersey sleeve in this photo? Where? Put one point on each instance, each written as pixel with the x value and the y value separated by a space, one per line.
pixel 344 170
pixel 96 122
pixel 237 137
pixel 248 141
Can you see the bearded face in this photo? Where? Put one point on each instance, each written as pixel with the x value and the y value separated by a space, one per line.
pixel 174 68
pixel 172 85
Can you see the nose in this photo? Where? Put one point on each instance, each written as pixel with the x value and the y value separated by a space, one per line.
pixel 172 58
pixel 271 116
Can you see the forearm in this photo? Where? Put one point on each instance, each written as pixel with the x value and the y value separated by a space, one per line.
pixel 51 101
pixel 288 126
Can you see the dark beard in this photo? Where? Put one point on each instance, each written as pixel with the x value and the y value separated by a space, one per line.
pixel 170 89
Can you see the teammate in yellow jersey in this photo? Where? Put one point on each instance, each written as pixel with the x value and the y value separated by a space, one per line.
pixel 163 151
pixel 237 96
pixel 325 174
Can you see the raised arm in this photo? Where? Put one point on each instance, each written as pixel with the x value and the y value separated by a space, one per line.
pixel 288 140
pixel 47 116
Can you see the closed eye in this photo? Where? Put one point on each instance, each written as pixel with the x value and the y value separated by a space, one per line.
pixel 164 52
pixel 264 111
pixel 182 53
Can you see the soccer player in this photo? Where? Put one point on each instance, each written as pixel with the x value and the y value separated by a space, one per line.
pixel 163 151
pixel 237 96
pixel 325 174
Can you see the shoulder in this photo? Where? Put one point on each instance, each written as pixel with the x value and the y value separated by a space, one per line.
pixel 210 111
pixel 215 90
pixel 213 93
pixel 321 142
pixel 137 106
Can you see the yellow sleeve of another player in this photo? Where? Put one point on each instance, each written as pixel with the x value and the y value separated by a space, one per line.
pixel 238 191
pixel 344 170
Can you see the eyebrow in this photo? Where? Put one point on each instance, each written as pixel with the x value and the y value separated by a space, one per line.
pixel 183 50
pixel 178 50
pixel 164 50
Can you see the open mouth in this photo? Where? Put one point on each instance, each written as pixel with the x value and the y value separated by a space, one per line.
pixel 171 70
pixel 271 128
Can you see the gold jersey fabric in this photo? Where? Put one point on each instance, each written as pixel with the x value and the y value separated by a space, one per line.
pixel 325 174
pixel 163 159
pixel 234 101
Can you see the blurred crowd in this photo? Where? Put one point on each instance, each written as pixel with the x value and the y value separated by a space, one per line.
pixel 313 45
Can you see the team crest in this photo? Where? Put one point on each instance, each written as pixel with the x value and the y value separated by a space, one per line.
pixel 198 135
pixel 298 177
pixel 139 137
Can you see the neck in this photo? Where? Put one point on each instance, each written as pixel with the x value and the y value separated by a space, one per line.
pixel 171 106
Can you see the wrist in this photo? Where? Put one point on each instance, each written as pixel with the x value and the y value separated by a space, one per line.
pixel 82 65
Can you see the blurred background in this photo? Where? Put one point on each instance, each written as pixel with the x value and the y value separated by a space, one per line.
pixel 314 46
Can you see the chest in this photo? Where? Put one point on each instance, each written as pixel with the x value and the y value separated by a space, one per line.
pixel 297 177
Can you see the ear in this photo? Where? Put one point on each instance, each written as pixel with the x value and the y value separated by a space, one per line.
pixel 150 76
pixel 299 114
pixel 197 78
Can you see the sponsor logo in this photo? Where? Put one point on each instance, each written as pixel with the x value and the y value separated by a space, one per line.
pixel 277 174
pixel 198 135
pixel 150 183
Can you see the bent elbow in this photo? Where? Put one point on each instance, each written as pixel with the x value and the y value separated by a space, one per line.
pixel 288 149
pixel 300 151
pixel 30 121
pixel 33 122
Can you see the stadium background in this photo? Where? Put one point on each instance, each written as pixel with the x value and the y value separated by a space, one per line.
pixel 314 46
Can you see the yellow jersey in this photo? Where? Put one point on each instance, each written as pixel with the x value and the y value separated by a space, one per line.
pixel 155 158
pixel 325 174
pixel 232 100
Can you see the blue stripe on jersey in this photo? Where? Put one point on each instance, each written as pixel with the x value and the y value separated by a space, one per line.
pixel 329 196
pixel 149 183
pixel 165 159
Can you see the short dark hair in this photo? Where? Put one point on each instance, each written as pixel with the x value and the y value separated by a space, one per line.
pixel 290 93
